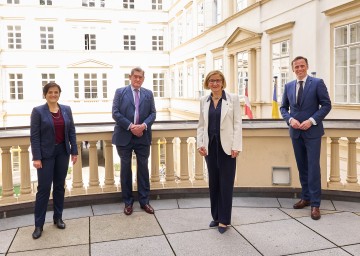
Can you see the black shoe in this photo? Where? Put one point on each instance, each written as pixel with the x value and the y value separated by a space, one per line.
pixel 59 223
pixel 222 229
pixel 213 224
pixel 37 232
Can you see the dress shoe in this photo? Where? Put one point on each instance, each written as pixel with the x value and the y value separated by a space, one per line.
pixel 213 224
pixel 37 232
pixel 222 229
pixel 315 213
pixel 59 223
pixel 301 204
pixel 147 208
pixel 128 210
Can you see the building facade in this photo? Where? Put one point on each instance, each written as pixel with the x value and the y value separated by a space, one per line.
pixel 90 46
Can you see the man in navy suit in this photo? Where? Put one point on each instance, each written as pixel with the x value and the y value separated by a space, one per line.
pixel 134 113
pixel 304 105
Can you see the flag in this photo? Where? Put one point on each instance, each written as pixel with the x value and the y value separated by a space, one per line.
pixel 275 107
pixel 247 103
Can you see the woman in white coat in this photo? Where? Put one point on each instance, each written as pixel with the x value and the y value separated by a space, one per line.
pixel 219 140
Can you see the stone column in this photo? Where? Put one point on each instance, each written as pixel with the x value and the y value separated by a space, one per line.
pixel 109 168
pixel 78 184
pixel 94 184
pixel 184 168
pixel 155 166
pixel 7 179
pixel 170 168
pixel 199 171
pixel 334 179
pixel 25 186
pixel 352 180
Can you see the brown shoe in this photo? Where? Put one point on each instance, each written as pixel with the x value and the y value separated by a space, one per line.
pixel 315 213
pixel 147 208
pixel 301 204
pixel 128 210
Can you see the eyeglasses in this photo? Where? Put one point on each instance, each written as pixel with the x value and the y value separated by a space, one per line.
pixel 213 81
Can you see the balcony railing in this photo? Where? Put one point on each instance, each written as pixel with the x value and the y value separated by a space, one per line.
pixel 267 149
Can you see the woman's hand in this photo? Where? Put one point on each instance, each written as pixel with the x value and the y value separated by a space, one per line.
pixel 202 151
pixel 37 164
pixel 74 159
pixel 234 153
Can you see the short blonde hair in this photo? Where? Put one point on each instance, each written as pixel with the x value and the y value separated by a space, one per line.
pixel 211 73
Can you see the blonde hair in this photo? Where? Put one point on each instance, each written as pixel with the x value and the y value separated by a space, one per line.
pixel 211 73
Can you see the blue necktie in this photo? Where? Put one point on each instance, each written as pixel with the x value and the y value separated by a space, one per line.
pixel 300 92
pixel 137 99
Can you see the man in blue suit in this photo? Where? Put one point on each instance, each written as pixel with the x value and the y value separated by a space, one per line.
pixel 304 105
pixel 134 113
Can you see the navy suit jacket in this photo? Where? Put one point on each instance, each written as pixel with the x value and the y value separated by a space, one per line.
pixel 123 111
pixel 315 103
pixel 42 132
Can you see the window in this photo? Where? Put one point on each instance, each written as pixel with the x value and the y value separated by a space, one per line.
pixel 47 38
pixel 126 79
pixel 200 17
pixel 90 42
pixel 13 1
pixel 156 4
pixel 93 3
pixel 280 65
pixel 47 78
pixel 16 86
pixel 129 42
pixel 14 37
pixel 180 85
pixel 128 4
pixel 189 84
pixel 158 84
pixel 218 64
pixel 218 10
pixel 180 30
pixel 90 86
pixel 45 2
pixel 242 71
pixel 157 43
pixel 189 24
pixel 347 63
pixel 201 78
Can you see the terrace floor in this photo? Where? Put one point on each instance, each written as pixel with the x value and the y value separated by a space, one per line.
pixel 260 226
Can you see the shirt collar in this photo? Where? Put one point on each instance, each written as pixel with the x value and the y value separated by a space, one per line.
pixel 223 96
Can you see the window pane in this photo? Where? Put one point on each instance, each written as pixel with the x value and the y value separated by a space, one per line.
pixel 340 36
pixel 355 33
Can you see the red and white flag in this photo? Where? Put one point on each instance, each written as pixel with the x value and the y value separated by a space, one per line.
pixel 247 103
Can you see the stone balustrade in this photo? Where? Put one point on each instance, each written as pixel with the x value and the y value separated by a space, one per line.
pixel 175 163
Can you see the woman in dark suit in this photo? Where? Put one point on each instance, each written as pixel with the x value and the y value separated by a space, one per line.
pixel 53 139
pixel 219 140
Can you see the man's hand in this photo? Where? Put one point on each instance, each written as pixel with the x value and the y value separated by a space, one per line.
pixel 137 129
pixel 305 125
pixel 295 123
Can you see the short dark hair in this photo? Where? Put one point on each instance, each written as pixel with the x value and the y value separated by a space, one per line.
pixel 137 69
pixel 48 86
pixel 300 58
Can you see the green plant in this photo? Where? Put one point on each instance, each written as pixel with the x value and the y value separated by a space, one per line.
pixel 69 170
pixel 117 167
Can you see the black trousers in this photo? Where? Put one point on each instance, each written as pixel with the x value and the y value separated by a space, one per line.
pixel 221 168
pixel 53 172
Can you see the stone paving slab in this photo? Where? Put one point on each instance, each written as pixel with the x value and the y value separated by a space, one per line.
pixel 210 242
pixel 181 220
pixel 165 204
pixel 353 249
pixel 75 233
pixel 255 202
pixel 16 222
pixel 306 212
pixel 77 212
pixel 347 206
pixel 340 228
pixel 194 203
pixel 103 209
pixel 146 246
pixel 254 215
pixel 120 226
pixel 326 252
pixel 78 250
pixel 289 202
pixel 283 237
pixel 6 239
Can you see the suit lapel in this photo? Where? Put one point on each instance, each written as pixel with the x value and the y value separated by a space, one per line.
pixel 224 107
pixel 294 91
pixel 49 116
pixel 130 95
pixel 206 109
pixel 306 89
pixel 142 95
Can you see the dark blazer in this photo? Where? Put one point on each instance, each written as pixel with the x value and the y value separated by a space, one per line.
pixel 123 111
pixel 42 132
pixel 315 103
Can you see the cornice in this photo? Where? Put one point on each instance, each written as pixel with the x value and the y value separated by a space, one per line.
pixel 342 8
pixel 280 27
